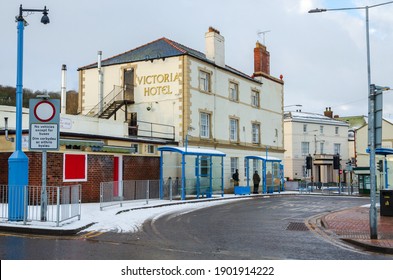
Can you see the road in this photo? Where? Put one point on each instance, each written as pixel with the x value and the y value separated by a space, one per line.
pixel 258 228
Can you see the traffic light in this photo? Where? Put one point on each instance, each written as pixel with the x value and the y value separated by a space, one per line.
pixel 336 162
pixel 309 162
pixel 380 165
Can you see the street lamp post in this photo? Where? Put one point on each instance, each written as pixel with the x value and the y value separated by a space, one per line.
pixel 18 163
pixel 371 122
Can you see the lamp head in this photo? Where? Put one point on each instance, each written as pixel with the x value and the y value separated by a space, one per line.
pixel 45 18
pixel 316 11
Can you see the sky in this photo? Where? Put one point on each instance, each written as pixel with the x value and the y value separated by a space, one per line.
pixel 322 57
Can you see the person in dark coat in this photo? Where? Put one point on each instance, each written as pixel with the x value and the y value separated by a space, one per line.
pixel 235 178
pixel 256 179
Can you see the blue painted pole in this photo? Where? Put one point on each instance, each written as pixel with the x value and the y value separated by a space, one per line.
pixel 211 176
pixel 162 176
pixel 264 189
pixel 385 169
pixel 18 163
pixel 222 176
pixel 183 178
pixel 248 173
pixel 198 176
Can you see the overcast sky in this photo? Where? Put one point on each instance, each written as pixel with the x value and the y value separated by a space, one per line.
pixel 321 56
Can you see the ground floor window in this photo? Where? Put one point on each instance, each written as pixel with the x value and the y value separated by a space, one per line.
pixel 234 164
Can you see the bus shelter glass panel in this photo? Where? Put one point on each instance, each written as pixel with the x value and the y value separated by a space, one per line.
pixel 171 174
pixel 273 176
pixel 269 169
pixel 389 173
pixel 199 175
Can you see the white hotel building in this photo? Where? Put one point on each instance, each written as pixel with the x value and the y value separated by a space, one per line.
pixel 166 90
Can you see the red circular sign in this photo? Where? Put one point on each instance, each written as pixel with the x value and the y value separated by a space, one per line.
pixel 44 111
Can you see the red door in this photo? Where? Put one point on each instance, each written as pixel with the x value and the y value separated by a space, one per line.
pixel 115 176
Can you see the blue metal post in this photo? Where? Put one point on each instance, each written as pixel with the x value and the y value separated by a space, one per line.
pixel 264 190
pixel 161 176
pixel 211 177
pixel 222 176
pixel 183 177
pixel 198 176
pixel 282 187
pixel 18 163
pixel 248 173
pixel 385 169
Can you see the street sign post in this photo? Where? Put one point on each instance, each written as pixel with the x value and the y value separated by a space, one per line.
pixel 44 124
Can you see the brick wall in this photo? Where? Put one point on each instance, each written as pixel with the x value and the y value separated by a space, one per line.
pixel 4 168
pixel 99 169
pixel 141 168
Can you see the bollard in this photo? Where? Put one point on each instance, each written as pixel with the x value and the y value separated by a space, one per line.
pixel 147 191
pixel 170 188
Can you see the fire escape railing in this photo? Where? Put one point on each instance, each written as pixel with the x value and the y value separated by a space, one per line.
pixel 117 94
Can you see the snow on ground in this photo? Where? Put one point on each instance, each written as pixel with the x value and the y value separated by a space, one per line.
pixel 131 221
pixel 127 218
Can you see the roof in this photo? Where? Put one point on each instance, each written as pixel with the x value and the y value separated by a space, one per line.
pixel 264 158
pixel 192 151
pixel 354 122
pixel 312 118
pixel 160 49
pixel 382 151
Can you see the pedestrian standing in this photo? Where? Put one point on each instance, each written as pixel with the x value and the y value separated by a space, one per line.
pixel 235 178
pixel 256 179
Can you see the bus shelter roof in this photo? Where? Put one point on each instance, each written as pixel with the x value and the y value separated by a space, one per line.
pixel 264 158
pixel 192 151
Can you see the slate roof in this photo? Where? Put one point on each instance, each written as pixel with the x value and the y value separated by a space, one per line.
pixel 312 118
pixel 161 48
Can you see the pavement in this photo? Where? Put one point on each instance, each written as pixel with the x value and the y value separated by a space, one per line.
pixel 353 226
pixel 348 226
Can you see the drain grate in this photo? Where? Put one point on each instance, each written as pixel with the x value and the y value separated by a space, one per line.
pixel 297 226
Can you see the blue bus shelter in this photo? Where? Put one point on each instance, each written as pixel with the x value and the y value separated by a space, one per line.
pixel 271 171
pixel 385 152
pixel 198 171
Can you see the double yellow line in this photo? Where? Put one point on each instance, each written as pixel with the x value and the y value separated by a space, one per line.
pixel 90 234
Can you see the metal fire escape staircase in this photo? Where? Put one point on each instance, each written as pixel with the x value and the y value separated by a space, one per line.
pixel 111 103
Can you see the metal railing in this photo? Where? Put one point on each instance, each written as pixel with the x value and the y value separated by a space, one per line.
pixel 62 203
pixel 152 130
pixel 173 189
pixel 327 188
pixel 120 192
pixel 115 95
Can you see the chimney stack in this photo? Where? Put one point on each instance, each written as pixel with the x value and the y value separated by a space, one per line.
pixel 100 82
pixel 63 89
pixel 261 60
pixel 215 46
pixel 328 112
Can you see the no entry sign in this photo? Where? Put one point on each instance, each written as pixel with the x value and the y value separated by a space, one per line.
pixel 44 124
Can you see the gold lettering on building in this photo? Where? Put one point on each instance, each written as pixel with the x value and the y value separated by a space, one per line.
pixel 151 82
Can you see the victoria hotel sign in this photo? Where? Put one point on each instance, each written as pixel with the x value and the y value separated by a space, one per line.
pixel 158 84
